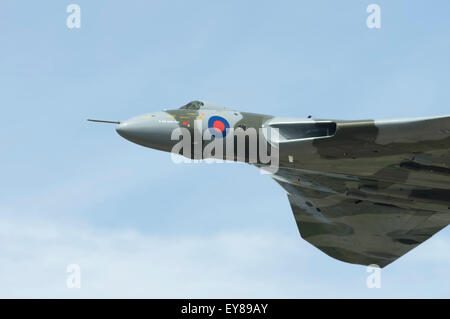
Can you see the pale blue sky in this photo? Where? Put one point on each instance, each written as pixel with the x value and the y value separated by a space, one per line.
pixel 141 226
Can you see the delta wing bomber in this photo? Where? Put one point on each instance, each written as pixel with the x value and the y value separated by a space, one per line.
pixel 364 192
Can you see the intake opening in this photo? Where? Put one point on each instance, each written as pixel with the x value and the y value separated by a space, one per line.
pixel 294 131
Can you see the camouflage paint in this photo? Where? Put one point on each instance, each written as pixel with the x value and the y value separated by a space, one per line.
pixel 367 194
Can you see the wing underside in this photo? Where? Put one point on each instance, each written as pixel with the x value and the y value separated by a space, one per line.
pixel 359 227
pixel 376 206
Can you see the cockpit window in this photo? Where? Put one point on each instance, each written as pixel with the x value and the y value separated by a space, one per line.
pixel 194 105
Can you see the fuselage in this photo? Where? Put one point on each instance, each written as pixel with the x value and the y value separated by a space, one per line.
pixel 262 134
pixel 207 121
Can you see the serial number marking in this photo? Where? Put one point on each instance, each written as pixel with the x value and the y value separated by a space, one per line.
pixel 167 121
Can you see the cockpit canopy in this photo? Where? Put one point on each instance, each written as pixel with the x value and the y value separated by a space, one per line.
pixel 194 105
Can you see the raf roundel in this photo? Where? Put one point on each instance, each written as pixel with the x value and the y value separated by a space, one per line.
pixel 218 126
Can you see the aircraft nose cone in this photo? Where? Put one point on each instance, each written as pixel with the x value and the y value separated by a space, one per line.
pixel 121 129
pixel 133 129
pixel 151 130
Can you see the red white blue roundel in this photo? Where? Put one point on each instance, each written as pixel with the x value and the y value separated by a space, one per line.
pixel 218 126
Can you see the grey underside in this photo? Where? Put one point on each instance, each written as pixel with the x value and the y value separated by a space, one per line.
pixel 357 231
pixel 373 219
